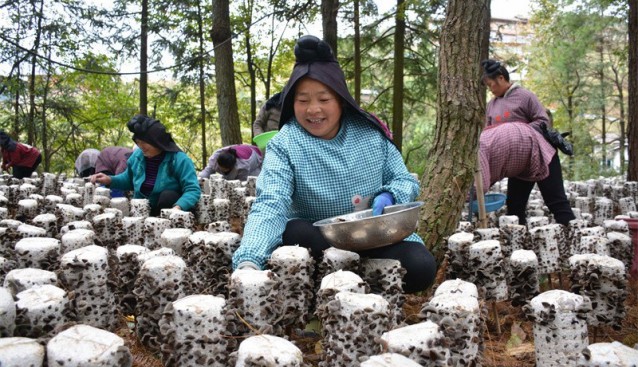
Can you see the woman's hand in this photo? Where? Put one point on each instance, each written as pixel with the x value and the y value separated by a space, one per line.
pixel 380 202
pixel 101 178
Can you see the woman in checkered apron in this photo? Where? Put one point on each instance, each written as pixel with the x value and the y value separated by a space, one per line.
pixel 517 150
pixel 329 158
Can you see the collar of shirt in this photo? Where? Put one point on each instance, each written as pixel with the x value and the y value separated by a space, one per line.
pixel 510 89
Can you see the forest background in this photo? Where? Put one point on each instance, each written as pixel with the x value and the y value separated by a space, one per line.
pixel 62 89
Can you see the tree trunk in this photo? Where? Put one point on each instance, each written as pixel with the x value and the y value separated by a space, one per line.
pixel 450 169
pixel 397 95
pixel 329 9
pixel 18 83
pixel 357 53
pixel 36 46
pixel 46 150
pixel 603 108
pixel 202 83
pixel 16 105
pixel 632 109
pixel 621 108
pixel 225 74
pixel 144 59
pixel 251 68
pixel 485 44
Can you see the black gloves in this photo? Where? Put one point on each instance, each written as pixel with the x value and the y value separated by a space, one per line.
pixel 557 140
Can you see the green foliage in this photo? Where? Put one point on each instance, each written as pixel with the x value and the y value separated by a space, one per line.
pixel 577 68
pixel 77 110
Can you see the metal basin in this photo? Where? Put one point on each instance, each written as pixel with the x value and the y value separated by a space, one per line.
pixel 361 231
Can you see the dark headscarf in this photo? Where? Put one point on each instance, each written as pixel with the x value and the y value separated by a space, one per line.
pixel 274 101
pixel 315 60
pixel 493 68
pixel 6 142
pixel 153 132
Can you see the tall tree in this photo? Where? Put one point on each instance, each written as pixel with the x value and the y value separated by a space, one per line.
pixel 450 170
pixel 144 58
pixel 561 76
pixel 225 74
pixel 397 95
pixel 617 62
pixel 37 11
pixel 329 10
pixel 356 12
pixel 248 8
pixel 632 110
pixel 485 43
pixel 202 80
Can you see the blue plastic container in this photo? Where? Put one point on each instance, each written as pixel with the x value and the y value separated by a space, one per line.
pixel 493 202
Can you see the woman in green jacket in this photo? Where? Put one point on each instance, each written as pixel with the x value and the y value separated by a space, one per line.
pixel 159 171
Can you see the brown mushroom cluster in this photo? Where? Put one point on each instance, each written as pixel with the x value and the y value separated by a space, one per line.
pixel 603 280
pixel 193 331
pixel 160 281
pixel 87 272
pixel 294 267
pixel 351 324
pixel 560 326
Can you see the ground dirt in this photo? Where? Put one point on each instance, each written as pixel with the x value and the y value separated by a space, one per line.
pixel 513 347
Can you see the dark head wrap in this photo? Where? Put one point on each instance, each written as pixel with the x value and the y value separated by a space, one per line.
pixel 274 101
pixel 6 142
pixel 315 60
pixel 153 132
pixel 493 68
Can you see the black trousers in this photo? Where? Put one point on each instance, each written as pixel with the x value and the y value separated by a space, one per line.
pixel 166 200
pixel 414 256
pixel 22 171
pixel 551 189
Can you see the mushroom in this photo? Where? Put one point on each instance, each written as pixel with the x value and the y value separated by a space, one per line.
pixel 86 271
pixel 255 303
pixel 161 280
pixel 37 252
pixel 546 243
pixel 153 229
pixel 40 310
pixel 209 255
pixel 607 354
pixel 560 326
pixel 193 332
pixel 18 351
pixel 423 343
pixel 84 345
pixel 267 350
pixel 294 267
pixel 385 278
pixel 140 208
pixel 459 318
pixel 457 255
pixel 352 323
pixel 7 315
pixel 523 277
pixel 133 230
pixel 603 280
pixel 486 261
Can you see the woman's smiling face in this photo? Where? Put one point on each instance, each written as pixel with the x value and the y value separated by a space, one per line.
pixel 317 108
